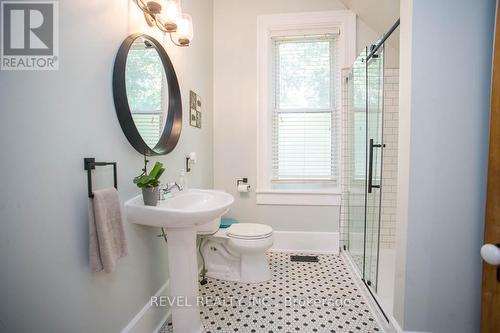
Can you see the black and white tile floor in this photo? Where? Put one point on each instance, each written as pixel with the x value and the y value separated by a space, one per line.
pixel 301 297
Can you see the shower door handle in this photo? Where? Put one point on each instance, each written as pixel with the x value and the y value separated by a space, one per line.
pixel 370 165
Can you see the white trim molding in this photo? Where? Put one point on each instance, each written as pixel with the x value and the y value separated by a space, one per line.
pixel 150 318
pixel 306 242
pixel 296 198
pixel 342 22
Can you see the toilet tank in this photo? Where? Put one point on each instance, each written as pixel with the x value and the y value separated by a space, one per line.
pixel 209 228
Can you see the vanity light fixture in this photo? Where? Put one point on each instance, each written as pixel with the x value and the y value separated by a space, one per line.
pixel 168 17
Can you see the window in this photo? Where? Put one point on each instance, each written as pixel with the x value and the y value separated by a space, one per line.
pixel 304 122
pixel 357 103
pixel 299 60
pixel 145 82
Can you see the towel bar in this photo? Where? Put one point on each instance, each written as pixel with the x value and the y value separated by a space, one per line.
pixel 89 164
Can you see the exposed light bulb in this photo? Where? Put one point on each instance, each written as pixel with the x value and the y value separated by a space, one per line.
pixel 184 33
pixel 171 14
pixel 172 11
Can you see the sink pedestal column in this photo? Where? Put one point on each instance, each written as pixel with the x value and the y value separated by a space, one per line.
pixel 183 285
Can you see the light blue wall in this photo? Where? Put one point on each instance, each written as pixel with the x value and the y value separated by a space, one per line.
pixel 450 91
pixel 50 121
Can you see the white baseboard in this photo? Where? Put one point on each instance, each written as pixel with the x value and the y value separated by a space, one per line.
pixel 400 330
pixel 396 326
pixel 150 318
pixel 306 241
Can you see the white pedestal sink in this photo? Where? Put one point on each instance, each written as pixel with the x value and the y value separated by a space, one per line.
pixel 180 215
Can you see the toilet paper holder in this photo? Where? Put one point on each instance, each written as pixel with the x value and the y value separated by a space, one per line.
pixel 243 181
pixel 242 185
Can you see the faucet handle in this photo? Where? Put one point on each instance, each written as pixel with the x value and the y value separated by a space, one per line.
pixel 169 187
pixel 176 184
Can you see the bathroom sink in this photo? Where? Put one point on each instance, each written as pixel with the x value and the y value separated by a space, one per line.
pixel 180 214
pixel 185 208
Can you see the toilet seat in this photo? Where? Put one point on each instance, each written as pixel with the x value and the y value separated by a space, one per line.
pixel 249 231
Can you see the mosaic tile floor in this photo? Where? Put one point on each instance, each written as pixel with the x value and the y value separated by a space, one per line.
pixel 301 297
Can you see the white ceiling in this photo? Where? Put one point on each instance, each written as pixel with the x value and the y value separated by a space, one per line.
pixel 380 15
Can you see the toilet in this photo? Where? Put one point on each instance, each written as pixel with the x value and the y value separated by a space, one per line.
pixel 236 253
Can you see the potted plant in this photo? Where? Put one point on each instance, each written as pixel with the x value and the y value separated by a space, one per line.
pixel 149 183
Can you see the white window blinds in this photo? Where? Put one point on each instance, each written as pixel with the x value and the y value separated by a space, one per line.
pixel 304 136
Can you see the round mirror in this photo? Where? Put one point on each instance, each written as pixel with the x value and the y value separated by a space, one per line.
pixel 147 96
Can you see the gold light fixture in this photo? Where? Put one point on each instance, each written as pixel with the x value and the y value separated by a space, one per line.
pixel 168 17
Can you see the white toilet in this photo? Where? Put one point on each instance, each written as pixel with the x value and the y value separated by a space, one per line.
pixel 237 253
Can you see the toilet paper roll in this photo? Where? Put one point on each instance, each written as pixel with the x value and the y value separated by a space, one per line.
pixel 243 188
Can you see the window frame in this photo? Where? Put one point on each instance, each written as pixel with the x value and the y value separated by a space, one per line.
pixel 301 183
pixel 341 22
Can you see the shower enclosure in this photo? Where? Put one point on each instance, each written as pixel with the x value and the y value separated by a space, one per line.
pixel 363 148
pixel 365 84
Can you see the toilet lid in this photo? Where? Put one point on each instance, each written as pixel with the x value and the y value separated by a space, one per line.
pixel 249 230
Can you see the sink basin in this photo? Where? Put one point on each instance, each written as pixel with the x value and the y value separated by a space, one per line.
pixel 180 214
pixel 185 208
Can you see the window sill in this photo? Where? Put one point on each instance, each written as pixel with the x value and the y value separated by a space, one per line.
pixel 298 197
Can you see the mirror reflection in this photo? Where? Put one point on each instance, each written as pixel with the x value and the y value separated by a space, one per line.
pixel 147 90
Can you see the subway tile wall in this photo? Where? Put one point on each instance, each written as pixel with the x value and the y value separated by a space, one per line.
pixel 390 161
pixel 352 210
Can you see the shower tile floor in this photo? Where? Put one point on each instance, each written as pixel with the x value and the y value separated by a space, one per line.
pixel 301 297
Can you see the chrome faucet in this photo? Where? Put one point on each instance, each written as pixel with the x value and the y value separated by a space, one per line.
pixel 165 189
pixel 171 186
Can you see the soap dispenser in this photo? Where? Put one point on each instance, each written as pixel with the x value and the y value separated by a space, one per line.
pixel 182 179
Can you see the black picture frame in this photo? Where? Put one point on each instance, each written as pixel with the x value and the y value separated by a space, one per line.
pixel 173 125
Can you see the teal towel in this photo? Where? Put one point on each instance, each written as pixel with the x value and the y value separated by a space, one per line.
pixel 227 221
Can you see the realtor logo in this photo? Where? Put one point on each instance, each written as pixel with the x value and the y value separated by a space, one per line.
pixel 29 35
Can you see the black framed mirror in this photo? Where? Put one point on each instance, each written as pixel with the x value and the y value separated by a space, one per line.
pixel 147 95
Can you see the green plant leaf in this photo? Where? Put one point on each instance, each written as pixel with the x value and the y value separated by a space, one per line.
pixel 137 179
pixel 158 175
pixel 151 180
pixel 156 170
pixel 144 181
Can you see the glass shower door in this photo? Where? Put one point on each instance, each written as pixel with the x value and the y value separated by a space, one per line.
pixel 363 163
pixel 355 161
pixel 374 147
